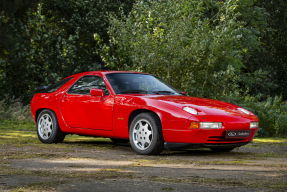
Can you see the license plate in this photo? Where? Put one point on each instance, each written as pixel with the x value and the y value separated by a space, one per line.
pixel 237 134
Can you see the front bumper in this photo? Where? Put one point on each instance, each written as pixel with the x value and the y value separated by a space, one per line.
pixel 212 136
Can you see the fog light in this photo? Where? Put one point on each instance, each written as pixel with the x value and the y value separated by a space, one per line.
pixel 210 125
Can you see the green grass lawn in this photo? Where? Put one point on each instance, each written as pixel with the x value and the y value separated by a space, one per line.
pixel 25 134
pixel 24 142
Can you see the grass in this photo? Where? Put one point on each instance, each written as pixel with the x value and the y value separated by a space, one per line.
pixel 278 184
pixel 22 136
pixel 40 186
pixel 149 162
pixel 100 174
pixel 270 140
pixel 61 178
pixel 271 154
pixel 12 110
pixel 18 126
pixel 25 134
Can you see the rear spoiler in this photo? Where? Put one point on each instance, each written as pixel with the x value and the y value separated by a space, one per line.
pixel 42 87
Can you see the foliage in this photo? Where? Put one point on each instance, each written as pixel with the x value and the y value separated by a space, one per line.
pixel 230 50
pixel 272 112
pixel 180 41
pixel 17 8
pixel 272 57
pixel 13 111
pixel 52 42
pixel 202 48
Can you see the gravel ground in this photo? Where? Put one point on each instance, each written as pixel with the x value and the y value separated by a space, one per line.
pixel 109 167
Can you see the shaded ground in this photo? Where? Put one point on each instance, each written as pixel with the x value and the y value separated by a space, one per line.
pixel 97 164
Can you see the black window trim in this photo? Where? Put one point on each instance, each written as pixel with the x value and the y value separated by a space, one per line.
pixel 81 78
pixel 67 78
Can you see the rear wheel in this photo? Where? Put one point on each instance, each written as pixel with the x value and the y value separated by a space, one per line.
pixel 146 134
pixel 222 149
pixel 48 129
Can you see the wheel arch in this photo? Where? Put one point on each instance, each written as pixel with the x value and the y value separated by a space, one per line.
pixel 138 111
pixel 42 109
pixel 38 113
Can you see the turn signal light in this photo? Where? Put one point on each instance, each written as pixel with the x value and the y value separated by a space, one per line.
pixel 194 125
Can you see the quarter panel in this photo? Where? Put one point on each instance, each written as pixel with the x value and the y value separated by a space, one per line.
pixel 171 117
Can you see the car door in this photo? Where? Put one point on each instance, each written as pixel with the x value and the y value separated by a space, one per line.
pixel 81 110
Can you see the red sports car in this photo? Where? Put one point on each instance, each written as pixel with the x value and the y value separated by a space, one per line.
pixel 141 109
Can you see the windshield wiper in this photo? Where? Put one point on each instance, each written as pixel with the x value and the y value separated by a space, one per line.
pixel 134 91
pixel 163 92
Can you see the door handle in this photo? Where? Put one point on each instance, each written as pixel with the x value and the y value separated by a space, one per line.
pixel 65 98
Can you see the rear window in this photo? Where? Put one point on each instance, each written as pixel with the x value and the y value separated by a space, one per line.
pixel 56 86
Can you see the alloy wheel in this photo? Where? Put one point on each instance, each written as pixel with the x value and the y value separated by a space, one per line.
pixel 142 134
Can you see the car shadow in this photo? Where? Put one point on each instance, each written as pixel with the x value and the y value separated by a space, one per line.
pixel 96 143
pixel 175 152
pixel 190 152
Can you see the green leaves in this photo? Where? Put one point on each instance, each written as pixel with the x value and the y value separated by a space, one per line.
pixel 53 41
pixel 172 39
pixel 217 49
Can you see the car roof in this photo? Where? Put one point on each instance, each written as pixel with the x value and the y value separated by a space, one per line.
pixel 100 72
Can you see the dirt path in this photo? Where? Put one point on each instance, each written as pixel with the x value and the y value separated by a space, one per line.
pixel 104 166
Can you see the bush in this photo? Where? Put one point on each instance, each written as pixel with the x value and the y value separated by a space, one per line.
pixel 52 41
pixel 13 111
pixel 272 113
pixel 199 52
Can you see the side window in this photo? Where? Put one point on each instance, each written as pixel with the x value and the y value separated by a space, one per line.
pixel 86 83
pixel 56 86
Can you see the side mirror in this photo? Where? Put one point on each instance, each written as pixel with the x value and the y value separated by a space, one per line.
pixel 183 93
pixel 97 92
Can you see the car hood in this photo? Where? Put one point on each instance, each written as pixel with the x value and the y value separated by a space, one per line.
pixel 202 105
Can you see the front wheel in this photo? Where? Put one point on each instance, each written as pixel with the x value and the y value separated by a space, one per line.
pixel 146 134
pixel 48 130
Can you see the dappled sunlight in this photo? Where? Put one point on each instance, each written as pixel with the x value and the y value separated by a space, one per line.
pixel 269 140
pixel 71 164
pixel 8 136
pixel 73 138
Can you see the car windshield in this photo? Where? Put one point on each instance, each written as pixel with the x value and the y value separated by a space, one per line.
pixel 136 83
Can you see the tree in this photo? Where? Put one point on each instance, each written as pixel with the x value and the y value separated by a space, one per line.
pixel 196 46
pixel 272 58
pixel 52 42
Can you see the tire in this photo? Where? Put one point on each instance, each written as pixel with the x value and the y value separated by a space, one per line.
pixel 48 129
pixel 115 140
pixel 145 134
pixel 222 149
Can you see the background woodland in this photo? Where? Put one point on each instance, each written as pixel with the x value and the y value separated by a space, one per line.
pixel 233 50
